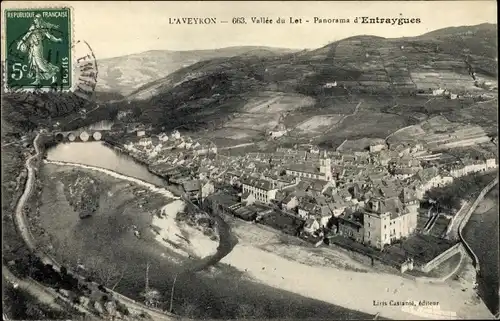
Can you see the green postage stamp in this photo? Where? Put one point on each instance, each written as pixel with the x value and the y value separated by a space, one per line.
pixel 38 49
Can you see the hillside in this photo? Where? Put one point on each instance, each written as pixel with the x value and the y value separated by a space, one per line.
pixel 362 86
pixel 363 61
pixel 127 73
pixel 356 83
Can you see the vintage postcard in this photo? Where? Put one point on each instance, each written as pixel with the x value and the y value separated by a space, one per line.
pixel 181 160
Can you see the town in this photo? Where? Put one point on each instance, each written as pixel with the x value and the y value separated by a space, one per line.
pixel 372 201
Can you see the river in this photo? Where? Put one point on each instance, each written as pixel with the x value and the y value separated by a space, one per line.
pixel 201 295
pixel 481 232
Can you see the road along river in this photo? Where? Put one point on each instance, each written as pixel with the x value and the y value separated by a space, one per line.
pixel 481 232
pixel 226 293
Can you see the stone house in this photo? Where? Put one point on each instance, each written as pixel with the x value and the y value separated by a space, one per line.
pixel 323 215
pixel 290 202
pixel 351 225
pixel 311 225
pixel 145 141
pixel 305 209
pixel 386 220
pixel 207 189
pixel 263 190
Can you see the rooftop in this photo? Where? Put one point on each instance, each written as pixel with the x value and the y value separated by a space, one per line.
pixel 304 168
pixel 354 219
pixel 316 184
pixel 427 173
pixel 191 185
pixel 259 183
pixel 224 199
pixel 380 206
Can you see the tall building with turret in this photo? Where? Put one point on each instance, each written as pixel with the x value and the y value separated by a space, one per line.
pixel 325 168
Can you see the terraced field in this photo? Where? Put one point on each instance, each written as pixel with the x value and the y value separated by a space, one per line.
pixel 314 91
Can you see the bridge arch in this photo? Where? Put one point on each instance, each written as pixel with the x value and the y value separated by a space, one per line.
pixel 84 136
pixel 59 137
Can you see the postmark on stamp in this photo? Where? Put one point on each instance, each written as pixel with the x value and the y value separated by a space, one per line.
pixel 38 49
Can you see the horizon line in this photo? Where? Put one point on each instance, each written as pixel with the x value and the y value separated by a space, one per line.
pixel 290 48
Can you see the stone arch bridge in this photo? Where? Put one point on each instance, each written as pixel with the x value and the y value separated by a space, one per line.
pixel 85 135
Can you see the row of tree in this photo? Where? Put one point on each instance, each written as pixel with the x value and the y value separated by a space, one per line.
pixel 450 197
pixel 31 266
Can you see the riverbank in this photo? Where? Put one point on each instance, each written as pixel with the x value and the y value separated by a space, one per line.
pixel 175 235
pixel 339 286
pixel 138 158
pixel 180 237
pixel 290 247
pixel 151 212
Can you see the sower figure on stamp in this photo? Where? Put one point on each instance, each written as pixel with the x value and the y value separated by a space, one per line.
pixel 32 43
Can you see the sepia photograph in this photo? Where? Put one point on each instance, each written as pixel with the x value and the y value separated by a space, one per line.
pixel 250 160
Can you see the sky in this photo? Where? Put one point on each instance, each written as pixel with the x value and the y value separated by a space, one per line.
pixel 125 27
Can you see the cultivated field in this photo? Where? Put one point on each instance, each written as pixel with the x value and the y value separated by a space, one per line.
pixel 366 124
pixel 317 124
pixel 258 122
pixel 439 132
pixel 240 135
pixel 360 144
pixel 454 81
pixel 276 102
pixel 410 133
pixel 262 112
pixel 484 114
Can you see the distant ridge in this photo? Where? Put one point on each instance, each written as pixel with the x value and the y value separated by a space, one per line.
pixel 125 74
pixel 229 48
pixel 450 31
pixel 211 92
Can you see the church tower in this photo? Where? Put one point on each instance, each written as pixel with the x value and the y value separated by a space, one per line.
pixel 325 167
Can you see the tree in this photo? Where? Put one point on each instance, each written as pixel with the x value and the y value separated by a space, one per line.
pixel 105 272
pixel 151 297
pixel 113 112
pixel 64 270
pixel 244 311
pixel 35 311
pixel 188 309
pixel 136 111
